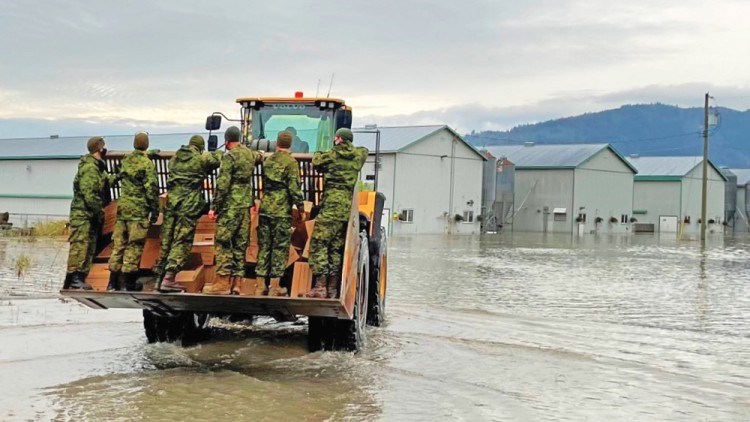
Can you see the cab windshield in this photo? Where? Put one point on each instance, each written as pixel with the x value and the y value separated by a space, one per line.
pixel 312 127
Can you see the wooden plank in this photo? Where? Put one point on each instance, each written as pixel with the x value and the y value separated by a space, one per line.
pixel 301 279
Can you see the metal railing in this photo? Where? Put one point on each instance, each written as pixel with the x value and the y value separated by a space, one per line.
pixel 311 181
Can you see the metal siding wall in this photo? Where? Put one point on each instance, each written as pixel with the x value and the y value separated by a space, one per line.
pixel 691 198
pixel 423 184
pixel 37 177
pixel 657 198
pixel 604 186
pixel 554 188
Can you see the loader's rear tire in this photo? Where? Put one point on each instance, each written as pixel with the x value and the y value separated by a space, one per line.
pixel 378 285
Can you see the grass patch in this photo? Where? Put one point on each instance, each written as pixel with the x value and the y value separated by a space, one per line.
pixel 22 265
pixel 50 228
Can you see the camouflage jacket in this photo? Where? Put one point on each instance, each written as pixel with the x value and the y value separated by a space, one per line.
pixel 90 190
pixel 187 171
pixel 139 188
pixel 234 187
pixel 280 185
pixel 340 167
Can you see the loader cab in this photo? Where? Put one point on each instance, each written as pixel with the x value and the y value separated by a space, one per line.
pixel 313 121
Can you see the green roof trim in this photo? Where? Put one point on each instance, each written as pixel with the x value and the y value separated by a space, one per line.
pixel 452 132
pixel 639 212
pixel 34 196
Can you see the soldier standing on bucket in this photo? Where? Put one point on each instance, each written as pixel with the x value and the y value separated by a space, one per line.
pixel 185 204
pixel 340 167
pixel 90 196
pixel 231 207
pixel 137 209
pixel 281 190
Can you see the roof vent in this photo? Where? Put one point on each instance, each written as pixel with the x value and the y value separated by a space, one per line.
pixel 54 136
pixel 528 144
pixel 371 127
pixel 635 155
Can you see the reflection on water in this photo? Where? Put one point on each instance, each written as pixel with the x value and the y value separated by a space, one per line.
pixel 521 327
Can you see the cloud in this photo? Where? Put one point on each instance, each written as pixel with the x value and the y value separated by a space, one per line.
pixel 180 60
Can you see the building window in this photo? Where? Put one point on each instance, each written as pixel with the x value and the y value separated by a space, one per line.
pixel 560 214
pixel 468 216
pixel 406 216
pixel 624 218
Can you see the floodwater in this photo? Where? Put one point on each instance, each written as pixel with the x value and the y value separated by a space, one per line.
pixel 504 327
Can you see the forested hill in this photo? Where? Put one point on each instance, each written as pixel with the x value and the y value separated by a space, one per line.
pixel 646 129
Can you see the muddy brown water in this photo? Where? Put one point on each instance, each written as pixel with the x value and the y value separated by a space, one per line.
pixel 521 327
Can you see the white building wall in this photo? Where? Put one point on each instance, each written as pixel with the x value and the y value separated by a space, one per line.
pixel 36 189
pixel 603 188
pixel 423 174
pixel 537 189
pixel 656 198
pixel 692 187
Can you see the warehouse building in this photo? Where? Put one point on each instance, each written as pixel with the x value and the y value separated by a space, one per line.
pixel 668 192
pixel 37 173
pixel 742 206
pixel 431 178
pixel 572 188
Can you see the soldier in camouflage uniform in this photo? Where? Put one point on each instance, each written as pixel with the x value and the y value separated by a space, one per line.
pixel 340 167
pixel 231 207
pixel 185 204
pixel 90 196
pixel 281 191
pixel 137 209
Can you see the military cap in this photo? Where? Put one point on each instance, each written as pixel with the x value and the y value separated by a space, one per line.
pixel 232 134
pixel 197 141
pixel 141 141
pixel 95 144
pixel 284 139
pixel 345 134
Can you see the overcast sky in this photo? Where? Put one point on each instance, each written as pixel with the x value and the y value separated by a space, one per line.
pixel 120 66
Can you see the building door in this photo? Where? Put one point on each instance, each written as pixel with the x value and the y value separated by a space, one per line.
pixel 667 224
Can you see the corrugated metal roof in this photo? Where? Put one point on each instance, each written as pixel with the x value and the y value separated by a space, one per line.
pixel 74 147
pixel 664 166
pixel 667 166
pixel 550 156
pixel 743 176
pixel 398 138
pixel 394 138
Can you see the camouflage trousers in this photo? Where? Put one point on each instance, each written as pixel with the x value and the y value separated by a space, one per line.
pixel 82 238
pixel 232 236
pixel 274 239
pixel 128 240
pixel 177 234
pixel 327 247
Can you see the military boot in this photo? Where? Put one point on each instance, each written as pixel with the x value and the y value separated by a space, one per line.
pixel 78 282
pixel 260 289
pixel 276 290
pixel 221 285
pixel 131 281
pixel 114 281
pixel 332 291
pixel 169 285
pixel 320 290
pixel 66 282
pixel 236 282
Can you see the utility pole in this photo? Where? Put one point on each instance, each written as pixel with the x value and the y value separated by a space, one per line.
pixel 705 170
